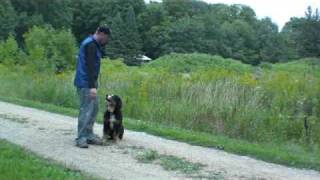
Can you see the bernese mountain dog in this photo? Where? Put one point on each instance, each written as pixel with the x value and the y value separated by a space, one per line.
pixel 112 125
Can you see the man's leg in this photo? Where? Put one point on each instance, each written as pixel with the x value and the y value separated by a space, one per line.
pixel 85 117
pixel 92 138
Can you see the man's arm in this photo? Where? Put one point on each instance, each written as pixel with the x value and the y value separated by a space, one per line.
pixel 91 51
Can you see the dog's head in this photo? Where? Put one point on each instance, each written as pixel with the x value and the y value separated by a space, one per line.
pixel 114 103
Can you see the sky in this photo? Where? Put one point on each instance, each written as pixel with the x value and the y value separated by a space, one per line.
pixel 280 11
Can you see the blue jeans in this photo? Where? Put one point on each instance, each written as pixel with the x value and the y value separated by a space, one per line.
pixel 89 107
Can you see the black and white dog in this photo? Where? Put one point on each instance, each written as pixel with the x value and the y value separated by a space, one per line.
pixel 112 125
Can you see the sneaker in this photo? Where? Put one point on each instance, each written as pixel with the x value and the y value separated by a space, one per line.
pixel 95 141
pixel 82 145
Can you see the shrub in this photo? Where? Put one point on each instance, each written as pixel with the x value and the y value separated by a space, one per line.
pixel 52 49
pixel 10 53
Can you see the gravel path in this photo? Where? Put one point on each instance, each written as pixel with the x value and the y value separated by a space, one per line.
pixel 52 136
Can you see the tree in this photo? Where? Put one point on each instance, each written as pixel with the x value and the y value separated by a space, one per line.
pixel 134 42
pixel 186 36
pixel 126 41
pixel 25 24
pixel 57 13
pixel 88 15
pixel 212 33
pixel 245 13
pixel 271 45
pixel 303 34
pixel 238 41
pixel 117 47
pixel 151 28
pixel 8 19
pixel 299 38
pixel 155 41
pixel 50 49
pixel 156 29
pixel 182 8
pixel 291 35
pixel 122 6
pixel 310 34
pixel 153 15
pixel 10 53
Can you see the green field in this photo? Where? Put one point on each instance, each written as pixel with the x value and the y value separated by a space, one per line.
pixel 270 112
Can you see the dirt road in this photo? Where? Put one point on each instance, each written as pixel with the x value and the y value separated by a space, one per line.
pixel 52 136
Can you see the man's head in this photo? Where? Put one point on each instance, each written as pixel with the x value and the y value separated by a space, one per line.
pixel 102 35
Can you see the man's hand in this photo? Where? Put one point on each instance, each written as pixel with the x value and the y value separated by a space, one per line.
pixel 93 92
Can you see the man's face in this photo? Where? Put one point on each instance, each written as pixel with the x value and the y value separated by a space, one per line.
pixel 103 38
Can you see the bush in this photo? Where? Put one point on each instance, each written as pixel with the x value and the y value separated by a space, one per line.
pixel 51 49
pixel 10 54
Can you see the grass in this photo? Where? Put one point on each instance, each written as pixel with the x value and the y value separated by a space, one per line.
pixel 18 163
pixel 173 163
pixel 225 98
pixel 200 99
pixel 170 163
pixel 147 156
pixel 287 154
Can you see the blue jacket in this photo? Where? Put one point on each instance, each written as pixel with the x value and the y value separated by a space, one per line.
pixel 82 75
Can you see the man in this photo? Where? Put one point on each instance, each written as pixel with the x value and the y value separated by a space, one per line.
pixel 86 81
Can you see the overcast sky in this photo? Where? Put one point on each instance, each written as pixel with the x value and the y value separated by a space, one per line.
pixel 279 11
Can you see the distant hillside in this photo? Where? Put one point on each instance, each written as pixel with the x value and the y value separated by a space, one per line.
pixel 306 66
pixel 185 63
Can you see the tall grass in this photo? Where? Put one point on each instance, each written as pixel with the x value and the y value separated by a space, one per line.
pixel 270 104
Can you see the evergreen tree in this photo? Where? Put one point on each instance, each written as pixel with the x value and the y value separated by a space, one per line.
pixel 133 38
pixel 303 34
pixel 310 34
pixel 8 19
pixel 87 15
pixel 271 45
pixel 126 41
pixel 117 47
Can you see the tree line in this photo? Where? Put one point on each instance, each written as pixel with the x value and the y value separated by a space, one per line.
pixel 156 29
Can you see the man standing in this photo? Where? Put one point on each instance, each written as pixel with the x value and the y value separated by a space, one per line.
pixel 86 81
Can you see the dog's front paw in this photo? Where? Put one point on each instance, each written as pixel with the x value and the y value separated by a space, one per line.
pixel 116 139
pixel 106 142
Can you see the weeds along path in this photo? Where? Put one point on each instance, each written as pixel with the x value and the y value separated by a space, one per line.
pixel 138 156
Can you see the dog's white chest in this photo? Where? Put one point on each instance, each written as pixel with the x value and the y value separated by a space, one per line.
pixel 112 120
